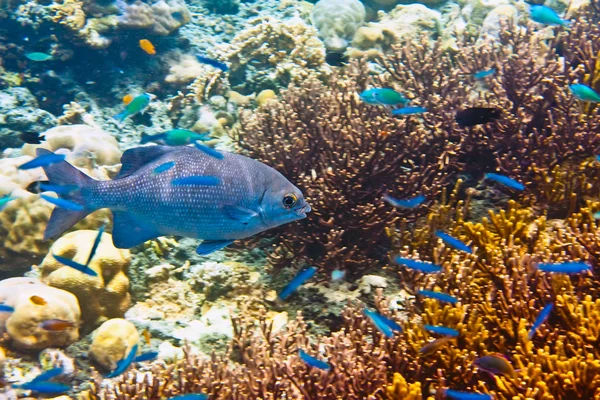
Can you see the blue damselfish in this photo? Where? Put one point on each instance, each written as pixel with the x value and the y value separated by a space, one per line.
pixel 413 202
pixel 312 361
pixel 43 160
pixel 454 242
pixel 420 266
pixel 505 180
pixel 438 296
pixel 125 363
pixel 540 319
pixel 383 324
pixel 569 267
pixel 298 281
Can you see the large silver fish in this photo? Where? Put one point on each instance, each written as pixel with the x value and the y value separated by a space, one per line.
pixel 184 191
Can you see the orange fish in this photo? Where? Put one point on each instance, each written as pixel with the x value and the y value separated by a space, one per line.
pixel 147 46
pixel 56 325
pixel 147 336
pixel 38 300
pixel 127 99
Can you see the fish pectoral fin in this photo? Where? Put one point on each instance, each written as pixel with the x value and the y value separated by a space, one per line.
pixel 239 213
pixel 210 246
pixel 129 231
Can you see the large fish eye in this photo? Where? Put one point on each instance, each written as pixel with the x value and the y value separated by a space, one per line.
pixel 289 200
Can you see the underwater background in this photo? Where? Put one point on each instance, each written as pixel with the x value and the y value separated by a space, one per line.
pixel 432 230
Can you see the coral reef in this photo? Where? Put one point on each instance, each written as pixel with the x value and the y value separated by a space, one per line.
pixel 101 297
pixel 112 341
pixel 337 21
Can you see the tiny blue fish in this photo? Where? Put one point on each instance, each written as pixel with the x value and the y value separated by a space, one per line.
pixel 505 180
pixel 298 281
pixel 45 387
pixel 43 161
pixel 151 355
pixel 547 16
pixel 420 266
pixel 312 361
pixel 569 267
pixel 454 242
pixel 404 203
pixel 442 330
pixel 540 319
pixel 37 56
pixel 213 63
pixel 164 167
pixel 438 296
pixel 383 324
pixel 5 200
pixel 6 308
pixel 62 203
pixel 596 215
pixel 196 181
pixel 584 93
pixel 192 396
pixel 409 110
pixel 455 394
pixel 124 363
pixel 337 275
pixel 75 265
pixel 209 150
pixel 95 245
pixel 58 189
pixel 484 73
pixel 47 375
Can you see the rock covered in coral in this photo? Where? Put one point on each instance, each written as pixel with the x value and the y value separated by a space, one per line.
pixel 160 17
pixel 34 303
pixel 112 341
pixel 101 297
pixel 337 21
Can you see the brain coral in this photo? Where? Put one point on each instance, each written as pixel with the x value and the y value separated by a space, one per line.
pixel 101 297
pixel 112 341
pixel 337 21
pixel 159 17
pixel 23 325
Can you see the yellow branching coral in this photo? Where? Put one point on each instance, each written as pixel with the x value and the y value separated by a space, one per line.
pixel 401 390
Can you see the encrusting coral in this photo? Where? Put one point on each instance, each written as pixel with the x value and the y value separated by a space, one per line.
pixel 112 341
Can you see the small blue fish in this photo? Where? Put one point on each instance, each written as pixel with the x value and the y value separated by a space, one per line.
pixel 75 265
pixel 505 180
pixel 298 281
pixel 438 296
pixel 404 203
pixel 47 375
pixel 192 396
pixel 43 161
pixel 149 356
pixel 409 111
pixel 454 242
pixel 540 319
pixel 37 56
pixel 44 387
pixel 58 189
pixel 337 275
pixel 569 267
pixel 584 93
pixel 209 150
pixel 164 167
pixel 420 266
pixel 95 245
pixel 62 203
pixel 383 324
pixel 213 63
pixel 5 200
pixel 484 73
pixel 136 105
pixel 442 330
pixel 312 361
pixel 196 181
pixel 547 16
pixel 6 308
pixel 455 394
pixel 124 363
pixel 383 97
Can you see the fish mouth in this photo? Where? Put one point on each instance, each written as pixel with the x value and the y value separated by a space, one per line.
pixel 301 212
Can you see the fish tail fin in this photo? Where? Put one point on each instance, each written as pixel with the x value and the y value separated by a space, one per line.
pixel 145 138
pixel 63 173
pixel 121 116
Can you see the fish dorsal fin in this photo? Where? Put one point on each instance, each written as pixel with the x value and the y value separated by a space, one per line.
pixel 134 159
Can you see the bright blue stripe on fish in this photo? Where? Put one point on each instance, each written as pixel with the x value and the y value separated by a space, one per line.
pixel 455 394
pixel 298 280
pixel 6 308
pixel 95 245
pixel 442 330
pixel 454 242
pixel 42 161
pixel 124 363
pixel 409 110
pixel 438 296
pixel 191 396
pixel 405 203
pixel 209 150
pixel 484 73
pixel 420 266
pixel 151 355
pixel 541 318
pixel 62 203
pixel 378 322
pixel 164 167
pixel 312 361
pixel 58 189
pixel 217 64
pixel 569 267
pixel 46 376
pixel 75 265
pixel 196 180
pixel 393 325
pixel 505 180
pixel 45 387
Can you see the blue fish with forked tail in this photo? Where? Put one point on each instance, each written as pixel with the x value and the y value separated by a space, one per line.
pixel 243 197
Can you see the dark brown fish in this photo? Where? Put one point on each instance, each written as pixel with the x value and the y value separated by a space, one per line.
pixel 496 364
pixel 31 137
pixel 56 325
pixel 476 116
pixel 434 346
pixel 40 301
